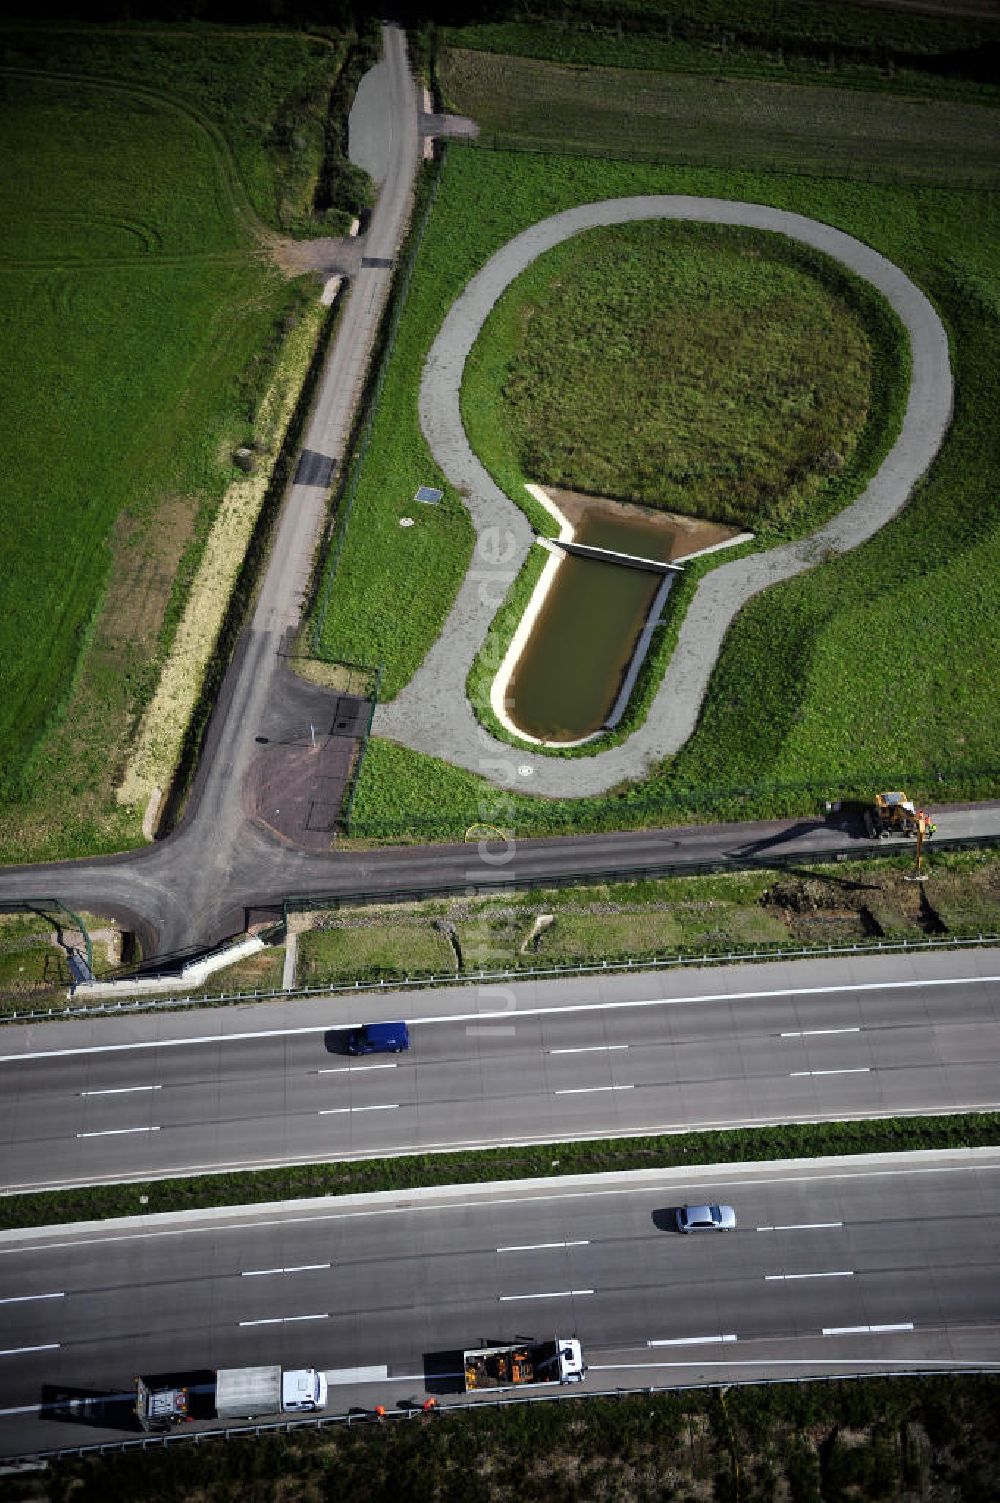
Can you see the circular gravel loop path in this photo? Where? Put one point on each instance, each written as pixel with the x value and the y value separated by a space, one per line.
pixel 432 713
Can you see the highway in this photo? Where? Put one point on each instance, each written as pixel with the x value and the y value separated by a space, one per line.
pixel 835 1266
pixel 534 1062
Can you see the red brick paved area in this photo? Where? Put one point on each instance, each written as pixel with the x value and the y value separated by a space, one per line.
pixel 296 785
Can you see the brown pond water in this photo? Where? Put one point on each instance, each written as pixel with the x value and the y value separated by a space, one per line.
pixel 625 528
pixel 567 678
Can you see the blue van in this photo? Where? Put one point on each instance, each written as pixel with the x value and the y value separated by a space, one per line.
pixel 379 1038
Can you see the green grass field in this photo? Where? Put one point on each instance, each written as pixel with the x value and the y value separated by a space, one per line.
pixel 140 327
pixel 702 369
pixel 830 683
pixel 804 29
pixel 724 914
pixel 896 53
pixel 351 952
pixel 263 94
pixel 720 121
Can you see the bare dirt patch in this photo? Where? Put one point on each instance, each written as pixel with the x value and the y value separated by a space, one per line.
pixel 680 535
pixel 146 555
pixel 325 255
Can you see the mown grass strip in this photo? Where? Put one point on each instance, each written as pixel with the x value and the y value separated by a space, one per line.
pixel 548 1160
pixel 679 117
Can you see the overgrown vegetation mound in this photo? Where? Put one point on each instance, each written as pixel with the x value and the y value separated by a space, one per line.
pixel 901 1439
pixel 700 368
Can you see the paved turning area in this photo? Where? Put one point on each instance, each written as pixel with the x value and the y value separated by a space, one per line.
pixel 432 714
pixel 296 785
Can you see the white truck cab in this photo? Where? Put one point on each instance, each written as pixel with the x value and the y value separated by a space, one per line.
pixel 303 1389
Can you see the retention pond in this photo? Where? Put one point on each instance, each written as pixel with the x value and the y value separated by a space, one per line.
pixel 568 678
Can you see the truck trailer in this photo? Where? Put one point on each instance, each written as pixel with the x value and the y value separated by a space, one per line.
pixel 524 1363
pixel 241 1393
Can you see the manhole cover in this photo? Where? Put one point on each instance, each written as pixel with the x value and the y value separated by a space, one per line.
pixel 525 770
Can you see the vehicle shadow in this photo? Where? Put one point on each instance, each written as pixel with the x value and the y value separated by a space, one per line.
pixel 444 1372
pixel 335 1040
pixel 95 1408
pixel 665 1219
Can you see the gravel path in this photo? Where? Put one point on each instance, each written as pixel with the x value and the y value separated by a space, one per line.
pixel 432 714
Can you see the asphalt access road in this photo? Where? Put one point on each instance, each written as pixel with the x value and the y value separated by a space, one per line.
pixel 156 891
pixel 557 1062
pixel 835 1266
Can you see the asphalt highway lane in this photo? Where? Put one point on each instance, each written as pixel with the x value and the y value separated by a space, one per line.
pixel 835 1265
pixel 639 1054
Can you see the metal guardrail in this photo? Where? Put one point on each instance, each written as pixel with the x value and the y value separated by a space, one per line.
pixel 520 973
pixel 501 1401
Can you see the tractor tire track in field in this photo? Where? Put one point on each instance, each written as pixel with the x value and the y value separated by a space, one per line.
pixel 228 171
pixel 228 174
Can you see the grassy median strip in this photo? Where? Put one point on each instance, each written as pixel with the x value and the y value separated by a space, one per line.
pixel 531 1161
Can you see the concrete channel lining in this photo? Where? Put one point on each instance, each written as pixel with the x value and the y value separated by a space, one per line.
pixel 432 714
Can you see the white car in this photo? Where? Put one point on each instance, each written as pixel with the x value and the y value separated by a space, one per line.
pixel 705 1218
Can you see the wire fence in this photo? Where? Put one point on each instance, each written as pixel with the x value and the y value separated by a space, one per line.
pixel 358 1416
pixel 757 955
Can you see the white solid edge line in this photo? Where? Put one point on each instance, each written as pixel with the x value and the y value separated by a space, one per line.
pixel 116 1132
pixel 538 1246
pixel 591 1049
pixel 337 1111
pixel 836 1273
pixel 590 1090
pixel 692 1340
pixel 506 1299
pixel 507 1016
pixel 283 1320
pixel 354 1069
pixel 259 1273
pixel 17 1351
pixel 810 1033
pixel 906 1325
pixel 819 1363
pixel 125 1090
pixel 803 1226
pixel 854 1070
pixel 24 1299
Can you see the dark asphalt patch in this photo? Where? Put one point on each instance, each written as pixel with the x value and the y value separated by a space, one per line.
pixel 314 468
